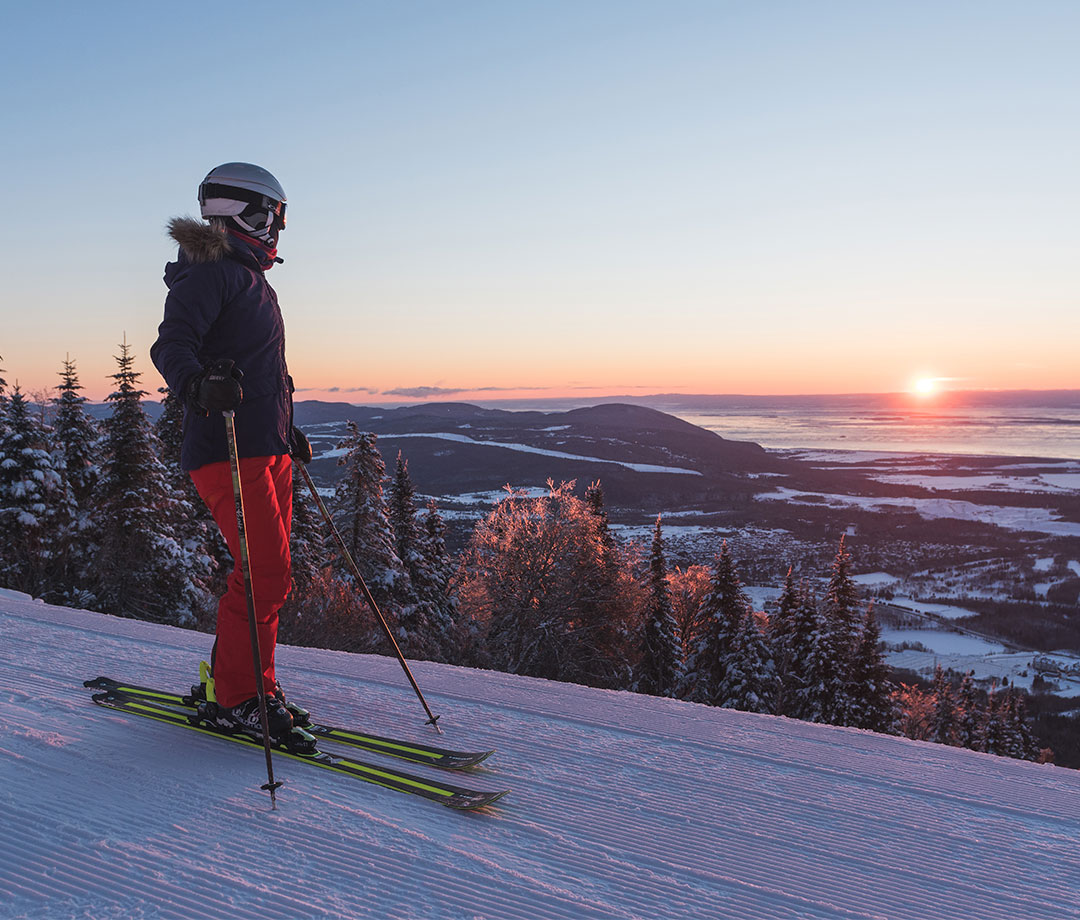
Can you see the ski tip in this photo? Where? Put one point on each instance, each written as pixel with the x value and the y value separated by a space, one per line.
pixel 99 683
pixel 471 801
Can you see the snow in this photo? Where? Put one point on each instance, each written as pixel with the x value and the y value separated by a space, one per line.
pixel 1044 564
pixel 945 611
pixel 621 806
pixel 875 579
pixel 1037 482
pixel 943 642
pixel 1074 567
pixel 529 449
pixel 1038 520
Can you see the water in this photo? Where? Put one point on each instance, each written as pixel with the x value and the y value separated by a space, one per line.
pixel 1012 423
pixel 1030 433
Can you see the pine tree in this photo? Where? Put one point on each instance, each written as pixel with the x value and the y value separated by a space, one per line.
pixel 75 435
pixel 143 567
pixel 993 735
pixel 798 681
pixel 716 627
pixel 943 727
pixel 362 517
pixel 417 633
pixel 307 543
pixel 600 656
pixel 750 675
pixel 781 638
pixel 825 691
pixel 970 715
pixel 436 588
pixel 842 597
pixel 660 671
pixel 195 526
pixel 872 699
pixel 35 507
pixel 841 608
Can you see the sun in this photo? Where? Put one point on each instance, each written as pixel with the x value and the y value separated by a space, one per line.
pixel 925 386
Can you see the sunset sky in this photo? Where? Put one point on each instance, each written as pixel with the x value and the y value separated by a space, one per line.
pixel 493 199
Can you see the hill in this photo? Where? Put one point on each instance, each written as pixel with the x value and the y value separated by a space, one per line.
pixel 622 806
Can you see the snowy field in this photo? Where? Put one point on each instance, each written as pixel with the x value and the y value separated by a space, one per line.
pixel 621 806
pixel 1037 520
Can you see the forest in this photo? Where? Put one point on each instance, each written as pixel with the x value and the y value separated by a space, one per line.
pixel 98 515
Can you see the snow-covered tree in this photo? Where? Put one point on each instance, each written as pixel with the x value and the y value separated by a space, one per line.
pixel 527 577
pixel 143 568
pixel 195 526
pixel 993 735
pixel 970 713
pixel 780 634
pixel 687 588
pixel 1019 740
pixel 35 506
pixel 421 633
pixel 660 670
pixel 943 725
pixel 750 676
pixel 362 517
pixel 871 704
pixel 715 630
pixel 435 588
pixel 75 435
pixel 307 542
pixel 825 690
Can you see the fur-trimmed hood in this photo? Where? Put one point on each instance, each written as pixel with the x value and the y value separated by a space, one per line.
pixel 200 242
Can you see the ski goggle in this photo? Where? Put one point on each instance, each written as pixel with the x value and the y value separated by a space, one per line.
pixel 264 202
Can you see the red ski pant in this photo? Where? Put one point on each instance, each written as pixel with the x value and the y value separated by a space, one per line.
pixel 267 490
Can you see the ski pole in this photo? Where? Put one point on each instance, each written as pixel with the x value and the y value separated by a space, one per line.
pixel 432 719
pixel 245 566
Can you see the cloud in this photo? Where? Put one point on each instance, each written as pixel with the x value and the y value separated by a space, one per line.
pixel 371 390
pixel 425 392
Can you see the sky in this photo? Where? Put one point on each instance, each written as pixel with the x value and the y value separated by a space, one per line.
pixel 529 199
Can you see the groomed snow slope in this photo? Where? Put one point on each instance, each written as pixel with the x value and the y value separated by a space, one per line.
pixel 622 806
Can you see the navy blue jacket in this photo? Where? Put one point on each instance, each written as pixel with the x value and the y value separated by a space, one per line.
pixel 220 305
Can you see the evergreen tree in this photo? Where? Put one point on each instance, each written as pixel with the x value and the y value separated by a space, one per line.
pixel 970 715
pixel 144 568
pixel 660 671
pixel 599 656
pixel 75 435
pixel 35 507
pixel 307 544
pixel 436 588
pixel 362 517
pixel 780 635
pixel 943 727
pixel 798 679
pixel 750 676
pixel 825 692
pixel 872 698
pixel 195 526
pixel 842 598
pixel 417 631
pixel 993 736
pixel 841 609
pixel 716 627
pixel 1020 742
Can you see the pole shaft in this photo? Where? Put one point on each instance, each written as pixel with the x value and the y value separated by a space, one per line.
pixel 245 567
pixel 432 719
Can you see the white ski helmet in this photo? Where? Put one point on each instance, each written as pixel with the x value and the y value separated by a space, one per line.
pixel 249 195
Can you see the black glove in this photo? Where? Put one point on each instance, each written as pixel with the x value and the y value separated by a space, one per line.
pixel 217 388
pixel 299 446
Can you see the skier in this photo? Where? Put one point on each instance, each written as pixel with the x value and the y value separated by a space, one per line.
pixel 221 346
